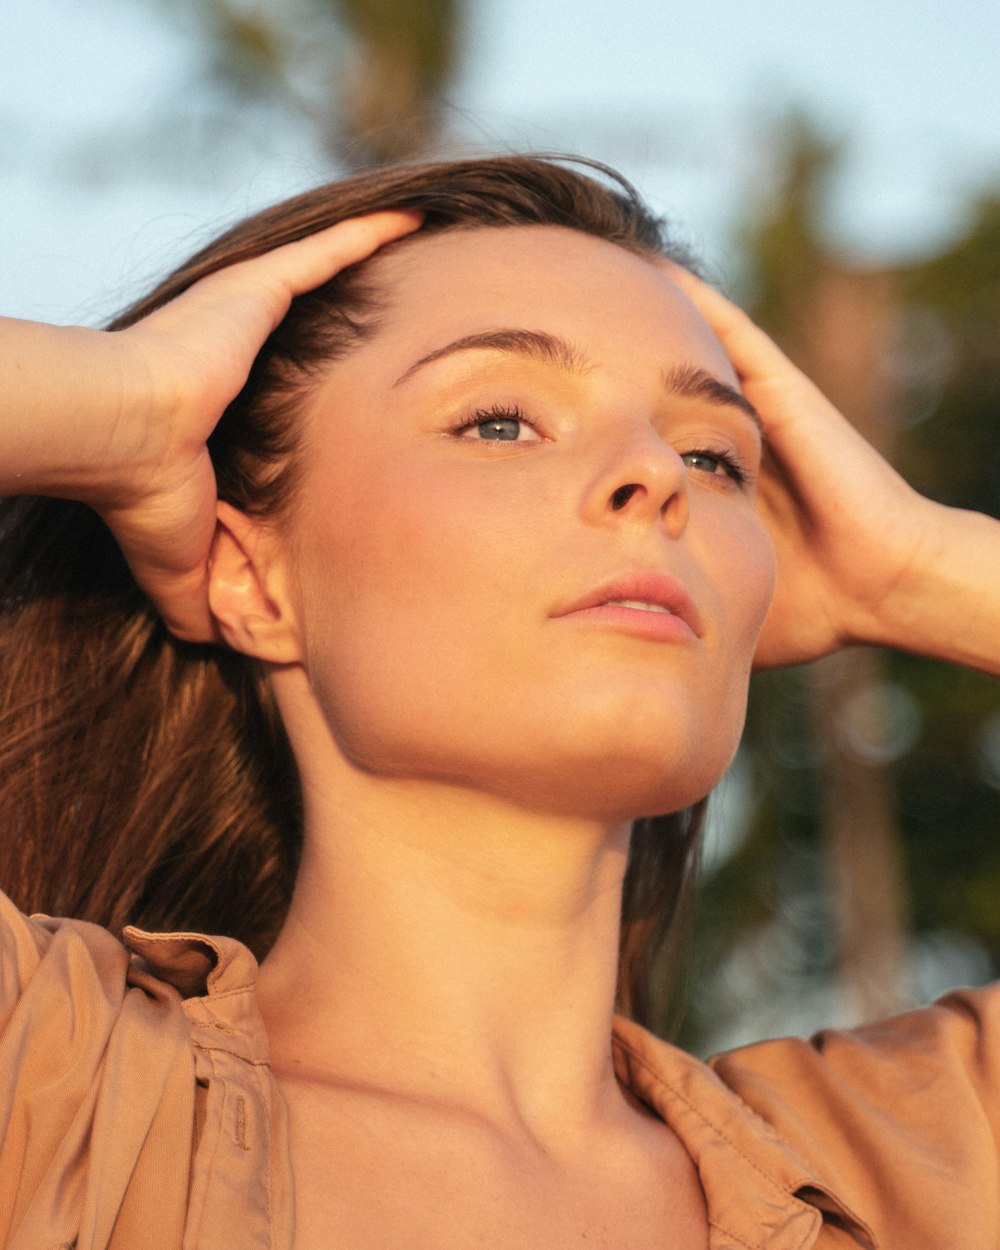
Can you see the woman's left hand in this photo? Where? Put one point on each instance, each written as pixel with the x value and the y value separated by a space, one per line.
pixel 852 537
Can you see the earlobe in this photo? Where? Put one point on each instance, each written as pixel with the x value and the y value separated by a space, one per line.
pixel 247 592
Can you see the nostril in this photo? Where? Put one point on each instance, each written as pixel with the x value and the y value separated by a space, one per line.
pixel 622 495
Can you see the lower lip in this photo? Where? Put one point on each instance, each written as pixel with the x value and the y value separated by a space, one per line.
pixel 656 626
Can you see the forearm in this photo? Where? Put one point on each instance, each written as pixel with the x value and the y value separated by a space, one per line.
pixel 949 608
pixel 62 401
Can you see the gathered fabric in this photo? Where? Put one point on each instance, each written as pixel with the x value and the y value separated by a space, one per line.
pixel 138 1108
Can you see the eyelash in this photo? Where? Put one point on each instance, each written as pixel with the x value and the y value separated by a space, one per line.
pixel 732 467
pixel 495 412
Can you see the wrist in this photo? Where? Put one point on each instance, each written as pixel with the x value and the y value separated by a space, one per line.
pixel 946 601
pixel 69 395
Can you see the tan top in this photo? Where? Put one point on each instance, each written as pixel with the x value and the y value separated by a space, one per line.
pixel 137 1109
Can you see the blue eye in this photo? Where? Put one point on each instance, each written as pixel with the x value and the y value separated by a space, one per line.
pixel 715 463
pixel 503 429
pixel 704 460
pixel 498 425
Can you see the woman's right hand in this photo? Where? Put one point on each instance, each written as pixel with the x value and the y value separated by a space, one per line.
pixel 120 420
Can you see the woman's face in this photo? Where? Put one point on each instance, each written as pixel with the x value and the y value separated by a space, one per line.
pixel 525 551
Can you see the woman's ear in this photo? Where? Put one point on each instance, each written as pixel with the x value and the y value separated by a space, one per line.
pixel 247 589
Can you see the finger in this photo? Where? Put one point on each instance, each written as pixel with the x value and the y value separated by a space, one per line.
pixel 183 605
pixel 178 590
pixel 754 354
pixel 308 262
pixel 301 266
pixel 784 396
pixel 167 542
pixel 255 294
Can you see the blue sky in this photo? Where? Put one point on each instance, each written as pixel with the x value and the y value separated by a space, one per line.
pixel 97 199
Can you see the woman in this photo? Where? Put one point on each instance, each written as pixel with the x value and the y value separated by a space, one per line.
pixel 493 553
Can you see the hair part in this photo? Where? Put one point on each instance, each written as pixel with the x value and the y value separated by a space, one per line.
pixel 148 781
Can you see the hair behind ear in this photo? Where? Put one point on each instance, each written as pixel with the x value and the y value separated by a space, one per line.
pixel 142 780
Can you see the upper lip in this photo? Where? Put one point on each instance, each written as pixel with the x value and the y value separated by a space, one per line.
pixel 645 587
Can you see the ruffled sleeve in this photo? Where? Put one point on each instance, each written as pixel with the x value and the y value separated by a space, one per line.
pixel 902 1117
pixel 97 1093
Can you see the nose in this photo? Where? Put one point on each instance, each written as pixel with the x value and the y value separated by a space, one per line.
pixel 641 479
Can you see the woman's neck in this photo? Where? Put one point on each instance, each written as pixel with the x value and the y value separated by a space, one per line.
pixel 446 945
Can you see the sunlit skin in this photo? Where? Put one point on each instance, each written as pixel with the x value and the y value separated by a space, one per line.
pixel 473 722
pixel 472 749
pixel 431 565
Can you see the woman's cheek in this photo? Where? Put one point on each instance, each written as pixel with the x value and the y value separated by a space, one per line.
pixel 766 575
pixel 748 582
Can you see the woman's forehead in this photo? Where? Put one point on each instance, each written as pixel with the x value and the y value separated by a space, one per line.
pixel 547 278
pixel 487 252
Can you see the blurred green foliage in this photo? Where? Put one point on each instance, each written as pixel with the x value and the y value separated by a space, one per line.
pixel 765 954
pixel 369 76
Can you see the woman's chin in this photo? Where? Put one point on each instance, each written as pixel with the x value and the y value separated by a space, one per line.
pixel 612 789
pixel 609 768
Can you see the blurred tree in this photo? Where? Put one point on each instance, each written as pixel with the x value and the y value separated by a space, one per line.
pixel 949 358
pixel 368 75
pixel 808 914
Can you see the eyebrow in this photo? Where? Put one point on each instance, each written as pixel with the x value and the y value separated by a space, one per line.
pixel 689 381
pixel 532 344
pixel 696 383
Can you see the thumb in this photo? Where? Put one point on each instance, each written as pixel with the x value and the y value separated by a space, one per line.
pixel 167 541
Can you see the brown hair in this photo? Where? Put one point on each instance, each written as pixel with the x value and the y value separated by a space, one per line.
pixel 150 781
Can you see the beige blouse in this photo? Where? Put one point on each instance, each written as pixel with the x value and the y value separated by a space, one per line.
pixel 137 1109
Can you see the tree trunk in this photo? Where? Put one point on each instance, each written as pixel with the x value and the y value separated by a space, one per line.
pixel 845 347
